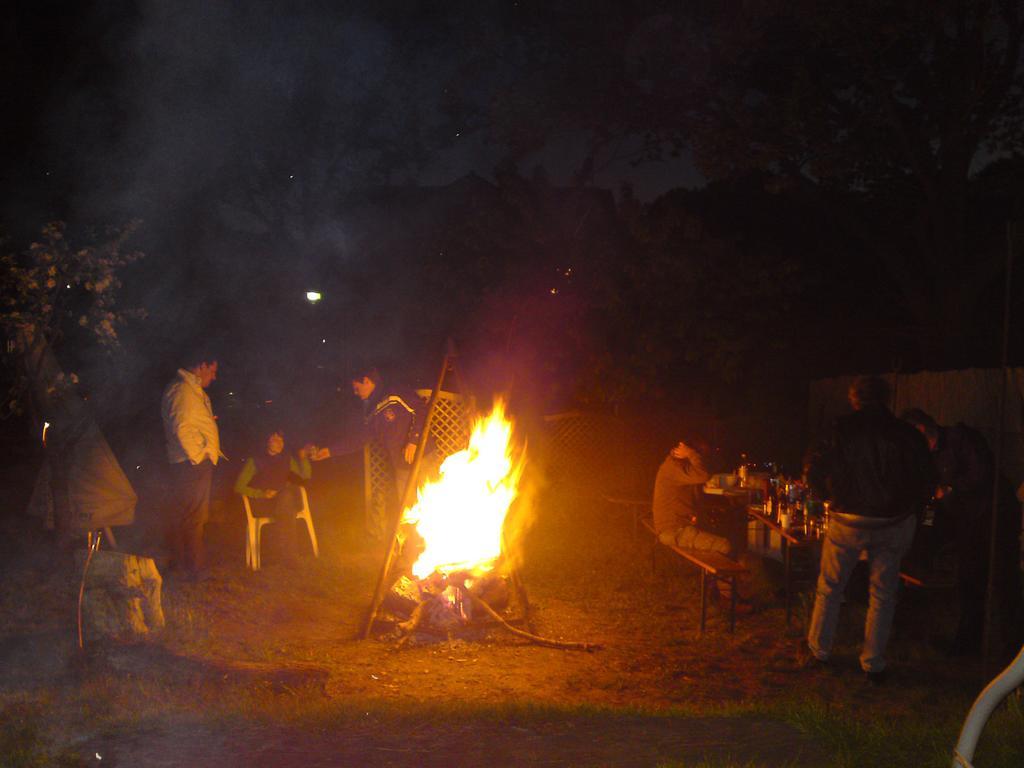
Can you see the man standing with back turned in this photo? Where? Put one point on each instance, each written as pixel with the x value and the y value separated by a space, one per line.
pixel 876 471
pixel 193 449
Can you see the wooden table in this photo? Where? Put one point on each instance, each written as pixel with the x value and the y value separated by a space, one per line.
pixel 790 539
pixel 735 492
pixel 796 539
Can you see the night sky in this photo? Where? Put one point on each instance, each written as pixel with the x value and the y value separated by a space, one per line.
pixel 458 169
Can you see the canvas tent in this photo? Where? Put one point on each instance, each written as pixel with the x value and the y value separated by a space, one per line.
pixel 970 396
pixel 99 494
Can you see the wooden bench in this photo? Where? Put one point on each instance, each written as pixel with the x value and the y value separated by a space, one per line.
pixel 635 507
pixel 713 566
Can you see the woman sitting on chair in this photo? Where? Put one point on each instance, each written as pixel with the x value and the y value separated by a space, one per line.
pixel 271 480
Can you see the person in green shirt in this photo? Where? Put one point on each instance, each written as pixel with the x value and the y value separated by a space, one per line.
pixel 271 480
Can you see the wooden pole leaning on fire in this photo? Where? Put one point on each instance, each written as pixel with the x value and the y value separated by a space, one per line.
pixel 407 495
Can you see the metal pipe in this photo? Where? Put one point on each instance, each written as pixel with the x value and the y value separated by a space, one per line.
pixel 989 628
pixel 93 547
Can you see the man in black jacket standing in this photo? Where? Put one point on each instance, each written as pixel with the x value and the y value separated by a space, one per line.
pixel 877 472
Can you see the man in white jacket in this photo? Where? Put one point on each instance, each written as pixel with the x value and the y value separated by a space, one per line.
pixel 193 449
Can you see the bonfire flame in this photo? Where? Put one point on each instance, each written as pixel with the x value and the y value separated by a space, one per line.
pixel 461 515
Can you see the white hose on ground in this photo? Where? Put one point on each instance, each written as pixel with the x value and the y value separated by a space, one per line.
pixel 982 709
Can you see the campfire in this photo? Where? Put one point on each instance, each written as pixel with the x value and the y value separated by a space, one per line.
pixel 462 576
pixel 456 529
pixel 461 515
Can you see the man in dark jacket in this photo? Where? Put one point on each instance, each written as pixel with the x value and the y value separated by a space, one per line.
pixel 393 417
pixel 963 496
pixel 877 473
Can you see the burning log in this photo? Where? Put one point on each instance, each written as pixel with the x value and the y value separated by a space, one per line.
pixel 404 597
pixel 410 626
pixel 444 599
pixel 442 605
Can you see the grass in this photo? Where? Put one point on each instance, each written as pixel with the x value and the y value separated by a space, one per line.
pixel 114 706
pixel 654 677
pixel 711 763
pixel 24 743
pixel 857 741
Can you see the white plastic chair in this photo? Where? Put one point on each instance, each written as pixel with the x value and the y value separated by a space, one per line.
pixel 255 524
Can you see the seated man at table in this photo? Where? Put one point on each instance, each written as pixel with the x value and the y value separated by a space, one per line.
pixel 678 498
pixel 680 508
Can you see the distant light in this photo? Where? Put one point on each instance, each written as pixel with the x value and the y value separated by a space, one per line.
pixel 291 175
pixel 231 394
pixel 313 296
pixel 46 426
pixel 323 341
pixel 69 285
pixel 554 291
pixel 138 466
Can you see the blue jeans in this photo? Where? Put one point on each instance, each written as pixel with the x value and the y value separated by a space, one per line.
pixel 885 548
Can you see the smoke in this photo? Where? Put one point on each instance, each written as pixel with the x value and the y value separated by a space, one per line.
pixel 264 146
pixel 200 89
pixel 237 133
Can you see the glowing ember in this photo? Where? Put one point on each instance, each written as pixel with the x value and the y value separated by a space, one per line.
pixel 461 515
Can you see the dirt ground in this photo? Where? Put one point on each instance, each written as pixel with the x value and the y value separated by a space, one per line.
pixel 265 669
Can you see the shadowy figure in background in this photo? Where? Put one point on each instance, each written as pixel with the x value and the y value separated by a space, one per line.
pixel 394 417
pixel 680 510
pixel 271 479
pixel 963 503
pixel 193 450
pixel 876 471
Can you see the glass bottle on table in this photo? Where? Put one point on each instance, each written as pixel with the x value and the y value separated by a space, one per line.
pixel 783 509
pixel 797 508
pixel 770 500
pixel 812 515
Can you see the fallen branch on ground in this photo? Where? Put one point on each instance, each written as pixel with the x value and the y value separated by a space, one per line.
pixel 568 646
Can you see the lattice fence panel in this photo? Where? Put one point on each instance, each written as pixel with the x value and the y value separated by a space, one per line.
pixel 378 478
pixel 453 417
pixel 592 454
pixel 450 429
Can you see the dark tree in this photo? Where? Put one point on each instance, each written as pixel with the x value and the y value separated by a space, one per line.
pixel 878 113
